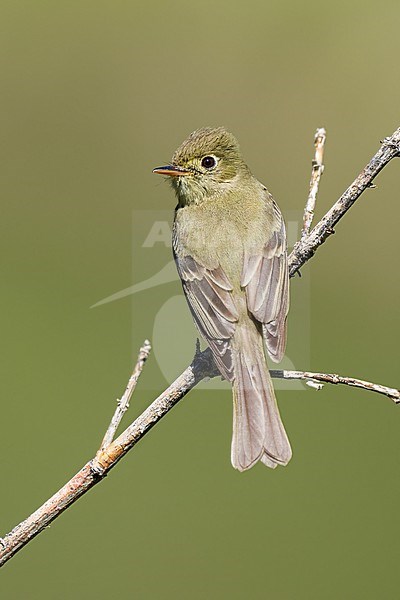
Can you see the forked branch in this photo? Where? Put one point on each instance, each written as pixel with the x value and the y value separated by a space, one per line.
pixel 305 248
pixel 202 366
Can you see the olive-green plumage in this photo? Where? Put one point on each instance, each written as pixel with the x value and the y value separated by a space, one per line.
pixel 229 243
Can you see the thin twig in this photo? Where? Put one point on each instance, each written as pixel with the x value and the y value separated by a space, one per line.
pixel 316 173
pixel 123 403
pixel 320 378
pixel 202 366
pixel 305 249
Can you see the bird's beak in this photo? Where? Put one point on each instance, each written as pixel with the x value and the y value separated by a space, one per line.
pixel 171 170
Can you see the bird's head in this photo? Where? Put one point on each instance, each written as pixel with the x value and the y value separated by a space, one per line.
pixel 204 165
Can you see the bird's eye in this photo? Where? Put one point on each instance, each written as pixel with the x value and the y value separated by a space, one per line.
pixel 208 162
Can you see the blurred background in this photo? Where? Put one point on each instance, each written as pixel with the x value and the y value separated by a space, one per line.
pixel 94 95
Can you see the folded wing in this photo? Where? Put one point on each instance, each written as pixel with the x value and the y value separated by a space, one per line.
pixel 209 295
pixel 266 280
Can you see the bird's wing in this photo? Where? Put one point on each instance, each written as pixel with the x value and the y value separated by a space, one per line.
pixel 266 279
pixel 209 294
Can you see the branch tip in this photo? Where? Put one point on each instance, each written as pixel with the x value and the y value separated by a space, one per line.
pixel 317 168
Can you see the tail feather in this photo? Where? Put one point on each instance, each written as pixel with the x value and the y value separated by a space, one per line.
pixel 258 431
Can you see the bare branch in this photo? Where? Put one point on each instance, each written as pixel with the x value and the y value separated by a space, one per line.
pixel 202 366
pixel 320 378
pixel 94 471
pixel 316 173
pixel 123 403
pixel 305 248
pixel 98 467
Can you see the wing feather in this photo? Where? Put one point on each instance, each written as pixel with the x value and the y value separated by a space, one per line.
pixel 266 280
pixel 209 294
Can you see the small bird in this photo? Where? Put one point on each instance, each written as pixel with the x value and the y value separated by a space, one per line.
pixel 229 244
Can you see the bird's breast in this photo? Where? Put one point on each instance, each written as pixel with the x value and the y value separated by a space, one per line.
pixel 217 234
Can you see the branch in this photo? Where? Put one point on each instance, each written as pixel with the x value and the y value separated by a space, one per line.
pixel 305 248
pixel 93 472
pixel 123 404
pixel 202 366
pixel 96 469
pixel 318 379
pixel 316 173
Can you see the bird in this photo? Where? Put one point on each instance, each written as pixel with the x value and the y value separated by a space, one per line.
pixel 229 245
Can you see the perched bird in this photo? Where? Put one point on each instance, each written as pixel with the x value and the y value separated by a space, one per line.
pixel 229 243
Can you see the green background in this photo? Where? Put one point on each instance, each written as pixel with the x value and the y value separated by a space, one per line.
pixel 93 95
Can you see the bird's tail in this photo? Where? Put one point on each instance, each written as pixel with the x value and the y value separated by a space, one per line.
pixel 258 431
